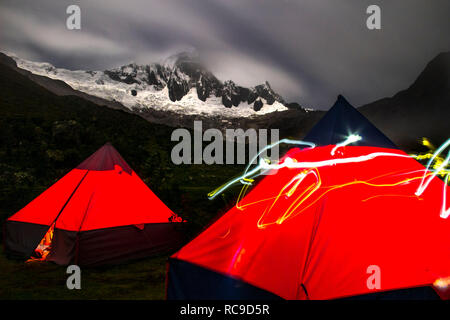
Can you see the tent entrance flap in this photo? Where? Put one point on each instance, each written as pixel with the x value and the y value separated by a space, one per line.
pixel 44 247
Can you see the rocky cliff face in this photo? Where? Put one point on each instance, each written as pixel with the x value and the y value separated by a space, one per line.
pixel 183 72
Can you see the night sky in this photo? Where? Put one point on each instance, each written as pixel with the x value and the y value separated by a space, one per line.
pixel 309 50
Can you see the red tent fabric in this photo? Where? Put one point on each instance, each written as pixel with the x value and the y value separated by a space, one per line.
pixel 101 211
pixel 322 237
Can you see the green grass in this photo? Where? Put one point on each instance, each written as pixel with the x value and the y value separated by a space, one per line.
pixel 137 280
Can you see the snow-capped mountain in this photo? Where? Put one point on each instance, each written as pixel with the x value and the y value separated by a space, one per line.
pixel 179 85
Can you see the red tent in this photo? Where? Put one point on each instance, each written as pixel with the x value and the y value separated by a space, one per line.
pixel 100 212
pixel 333 222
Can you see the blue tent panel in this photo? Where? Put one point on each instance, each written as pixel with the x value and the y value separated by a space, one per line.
pixel 343 120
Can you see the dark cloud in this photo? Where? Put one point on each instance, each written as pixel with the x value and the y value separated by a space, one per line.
pixel 309 50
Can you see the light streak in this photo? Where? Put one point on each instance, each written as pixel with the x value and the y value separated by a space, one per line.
pixel 425 182
pixel 285 141
pixel 324 163
pixel 334 187
pixel 427 143
pixel 298 179
pixel 351 138
pixel 244 177
pixel 291 214
pixel 226 234
pixel 436 165
pixel 236 258
pixel 289 163
pixel 390 195
pixel 248 175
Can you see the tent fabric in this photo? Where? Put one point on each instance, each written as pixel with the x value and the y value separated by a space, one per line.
pixel 112 245
pixel 102 193
pixel 323 249
pixel 319 238
pixel 417 293
pixel 106 159
pixel 21 238
pixel 343 120
pixel 201 280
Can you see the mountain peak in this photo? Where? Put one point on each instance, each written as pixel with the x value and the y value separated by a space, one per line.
pixel 180 57
pixel 442 58
pixel 182 72
pixel 434 79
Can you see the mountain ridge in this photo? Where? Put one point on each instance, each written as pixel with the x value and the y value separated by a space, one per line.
pixel 421 110
pixel 291 121
pixel 182 85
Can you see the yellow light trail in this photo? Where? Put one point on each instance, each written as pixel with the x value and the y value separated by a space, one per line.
pixel 436 165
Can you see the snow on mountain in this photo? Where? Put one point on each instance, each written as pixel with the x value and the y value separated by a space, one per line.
pixel 179 85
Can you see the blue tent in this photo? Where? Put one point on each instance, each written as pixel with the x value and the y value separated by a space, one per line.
pixel 343 120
